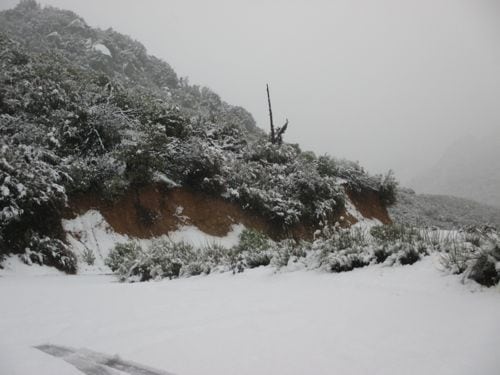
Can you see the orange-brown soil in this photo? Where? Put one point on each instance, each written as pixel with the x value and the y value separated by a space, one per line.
pixel 368 203
pixel 155 210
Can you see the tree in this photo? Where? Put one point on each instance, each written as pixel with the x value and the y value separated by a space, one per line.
pixel 276 136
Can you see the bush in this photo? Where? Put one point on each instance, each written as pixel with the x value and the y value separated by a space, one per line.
pixel 254 247
pixel 395 232
pixel 388 189
pixel 88 256
pixel 458 255
pixel 288 251
pixel 484 272
pixel 122 257
pixel 409 256
pixel 343 262
pixel 51 252
pixel 381 254
pixel 162 259
pixel 253 240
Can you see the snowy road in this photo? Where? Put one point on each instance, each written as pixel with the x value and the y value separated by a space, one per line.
pixel 402 320
pixel 92 363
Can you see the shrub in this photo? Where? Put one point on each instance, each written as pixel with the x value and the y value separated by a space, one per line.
pixel 214 256
pixel 381 253
pixel 88 256
pixel 458 256
pixel 343 262
pixel 388 189
pixel 287 251
pixel 234 259
pixel 162 259
pixel 484 272
pixel 394 232
pixel 253 240
pixel 409 256
pixel 122 257
pixel 254 248
pixel 51 252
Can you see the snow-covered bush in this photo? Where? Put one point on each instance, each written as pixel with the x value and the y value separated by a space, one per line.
pixel 288 251
pixel 162 259
pixel 459 256
pixel 88 256
pixel 122 257
pixel 341 250
pixel 484 270
pixel 255 248
pixel 31 199
pixel 51 252
pixel 215 257
pixel 388 188
pixel 104 175
pixel 395 232
pixel 475 253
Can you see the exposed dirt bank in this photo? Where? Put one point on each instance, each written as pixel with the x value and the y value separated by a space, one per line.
pixel 155 210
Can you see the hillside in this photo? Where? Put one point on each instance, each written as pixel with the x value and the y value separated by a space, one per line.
pixel 441 211
pixel 88 113
pixel 469 168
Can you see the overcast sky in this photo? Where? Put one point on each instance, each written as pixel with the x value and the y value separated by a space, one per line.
pixel 390 83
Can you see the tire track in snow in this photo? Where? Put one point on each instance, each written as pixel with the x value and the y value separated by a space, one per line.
pixel 94 363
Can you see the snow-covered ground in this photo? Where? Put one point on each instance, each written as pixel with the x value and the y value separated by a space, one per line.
pixel 375 320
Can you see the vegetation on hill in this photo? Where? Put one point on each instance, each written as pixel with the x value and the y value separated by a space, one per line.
pixel 88 110
pixel 441 211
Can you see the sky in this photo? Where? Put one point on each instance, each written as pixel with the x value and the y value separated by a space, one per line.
pixel 389 83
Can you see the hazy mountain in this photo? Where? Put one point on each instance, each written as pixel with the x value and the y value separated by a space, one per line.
pixel 469 168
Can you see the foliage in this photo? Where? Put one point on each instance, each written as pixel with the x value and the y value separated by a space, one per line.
pixel 88 257
pixel 484 271
pixel 388 188
pixel 255 248
pixel 49 251
pixel 441 211
pixel 88 110
pixel 475 254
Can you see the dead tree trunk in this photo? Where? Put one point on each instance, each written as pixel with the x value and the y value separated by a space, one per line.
pixel 276 135
pixel 270 113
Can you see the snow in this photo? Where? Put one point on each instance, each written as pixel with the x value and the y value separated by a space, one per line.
pixel 4 190
pixel 375 320
pixel 197 238
pixel 77 23
pixel 91 231
pixel 99 47
pixel 13 266
pixel 54 34
pixel 161 177
pixel 362 222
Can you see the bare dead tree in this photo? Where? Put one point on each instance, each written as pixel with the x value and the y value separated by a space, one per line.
pixel 276 135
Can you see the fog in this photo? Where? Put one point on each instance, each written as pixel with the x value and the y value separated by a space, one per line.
pixel 389 83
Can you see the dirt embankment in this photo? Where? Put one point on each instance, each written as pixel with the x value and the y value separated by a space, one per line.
pixel 368 204
pixel 155 210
